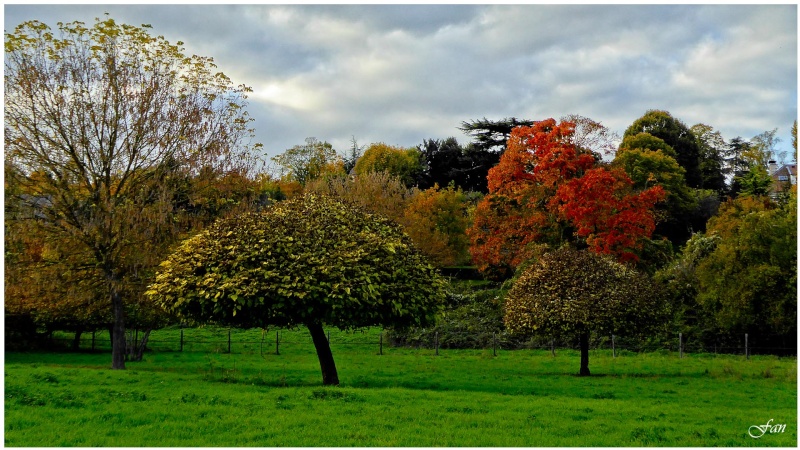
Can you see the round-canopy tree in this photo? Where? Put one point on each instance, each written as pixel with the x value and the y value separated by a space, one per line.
pixel 571 292
pixel 310 261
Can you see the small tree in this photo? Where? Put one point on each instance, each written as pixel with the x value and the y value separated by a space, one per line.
pixel 571 292
pixel 309 261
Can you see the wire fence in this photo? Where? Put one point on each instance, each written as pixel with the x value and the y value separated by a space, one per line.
pixel 276 341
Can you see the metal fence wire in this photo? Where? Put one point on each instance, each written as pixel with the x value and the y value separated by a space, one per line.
pixel 277 341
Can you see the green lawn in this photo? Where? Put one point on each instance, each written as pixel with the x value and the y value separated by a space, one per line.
pixel 405 397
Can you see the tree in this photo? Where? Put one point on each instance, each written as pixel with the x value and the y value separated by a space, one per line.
pixel 748 282
pixel 400 162
pixel 646 141
pixel 677 135
pixel 436 220
pixel 376 192
pixel 351 157
pixel 93 117
pixel 492 135
pixel 445 162
pixel 755 182
pixel 573 293
pixel 648 168
pixel 764 149
pixel 303 163
pixel 538 196
pixel 310 261
pixel 712 147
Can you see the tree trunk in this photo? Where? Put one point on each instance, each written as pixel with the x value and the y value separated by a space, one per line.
pixel 584 354
pixel 326 363
pixel 118 334
pixel 76 343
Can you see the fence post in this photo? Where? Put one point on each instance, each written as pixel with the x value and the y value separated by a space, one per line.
pixel 277 342
pixel 680 344
pixel 746 347
pixel 436 342
pixel 494 343
pixel 229 340
pixel 553 346
pixel 381 343
pixel 613 347
pixel 263 334
pixel 181 336
pixel 93 332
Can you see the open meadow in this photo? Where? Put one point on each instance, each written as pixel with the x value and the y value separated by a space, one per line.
pixel 404 397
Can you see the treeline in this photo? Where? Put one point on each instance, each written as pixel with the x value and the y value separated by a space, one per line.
pixel 119 147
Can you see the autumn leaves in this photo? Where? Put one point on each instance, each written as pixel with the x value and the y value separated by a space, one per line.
pixel 548 190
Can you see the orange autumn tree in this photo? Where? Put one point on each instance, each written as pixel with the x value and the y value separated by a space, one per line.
pixel 547 190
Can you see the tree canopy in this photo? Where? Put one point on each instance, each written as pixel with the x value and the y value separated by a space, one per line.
pixel 662 125
pixel 546 191
pixel 310 261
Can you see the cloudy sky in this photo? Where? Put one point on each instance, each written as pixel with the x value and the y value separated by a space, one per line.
pixel 400 74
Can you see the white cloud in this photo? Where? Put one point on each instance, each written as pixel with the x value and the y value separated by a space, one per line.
pixel 401 74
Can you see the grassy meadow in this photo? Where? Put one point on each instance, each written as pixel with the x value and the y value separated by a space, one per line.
pixel 405 397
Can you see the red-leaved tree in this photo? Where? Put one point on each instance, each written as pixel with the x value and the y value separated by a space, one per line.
pixel 547 190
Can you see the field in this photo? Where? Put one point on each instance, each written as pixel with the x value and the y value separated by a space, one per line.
pixel 405 397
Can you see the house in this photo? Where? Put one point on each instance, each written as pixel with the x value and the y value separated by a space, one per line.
pixel 783 177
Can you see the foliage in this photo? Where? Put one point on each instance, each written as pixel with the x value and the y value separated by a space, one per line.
pixel 304 163
pixel 569 292
pixel 748 282
pixel 492 135
pixel 308 259
pixel 97 122
pixel 677 135
pixel 648 168
pixel 446 162
pixel 755 182
pixel 399 162
pixel 436 220
pixel 546 191
pixel 712 149
pixel 377 192
pixel 645 141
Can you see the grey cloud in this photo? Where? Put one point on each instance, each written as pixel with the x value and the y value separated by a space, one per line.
pixel 401 74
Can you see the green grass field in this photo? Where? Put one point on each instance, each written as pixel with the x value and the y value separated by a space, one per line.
pixel 405 397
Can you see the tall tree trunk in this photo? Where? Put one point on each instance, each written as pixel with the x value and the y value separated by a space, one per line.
pixel 76 342
pixel 584 354
pixel 118 334
pixel 326 363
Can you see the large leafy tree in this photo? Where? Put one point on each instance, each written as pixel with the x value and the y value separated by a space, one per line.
pixel 307 162
pixel 445 162
pixel 677 135
pixel 403 163
pixel 546 190
pixel 648 168
pixel 574 293
pixel 92 117
pixel 436 220
pixel 748 282
pixel 310 261
pixel 712 149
